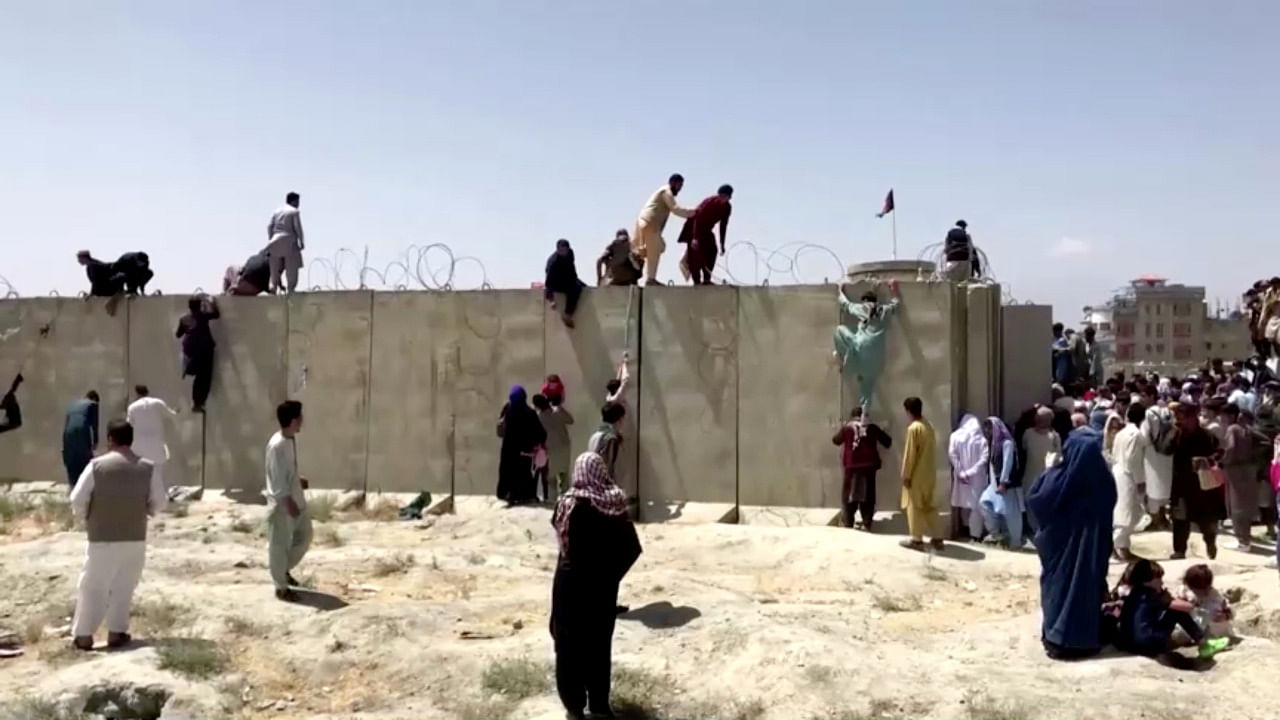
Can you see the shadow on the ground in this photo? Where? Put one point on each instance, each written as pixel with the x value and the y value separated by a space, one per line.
pixel 958 551
pixel 663 615
pixel 245 497
pixel 323 602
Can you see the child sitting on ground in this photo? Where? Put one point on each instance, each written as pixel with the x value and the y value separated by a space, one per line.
pixel 1210 609
pixel 1149 616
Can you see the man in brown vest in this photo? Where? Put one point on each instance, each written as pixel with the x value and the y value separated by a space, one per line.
pixel 113 497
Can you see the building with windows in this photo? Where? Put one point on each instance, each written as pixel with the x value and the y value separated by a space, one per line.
pixel 1153 325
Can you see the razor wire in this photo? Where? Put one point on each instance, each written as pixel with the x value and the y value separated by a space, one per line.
pixel 420 267
pixel 777 266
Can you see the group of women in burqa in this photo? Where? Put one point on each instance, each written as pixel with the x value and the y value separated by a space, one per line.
pixel 598 545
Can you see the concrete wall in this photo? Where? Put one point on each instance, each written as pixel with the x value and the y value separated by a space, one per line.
pixel 155 360
pixel 587 357
pixel 789 397
pixel 84 349
pixel 1026 364
pixel 499 344
pixel 415 342
pixel 688 399
pixel 734 396
pixel 328 359
pixel 249 380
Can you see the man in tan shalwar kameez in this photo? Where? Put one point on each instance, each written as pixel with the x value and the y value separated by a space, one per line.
pixel 647 242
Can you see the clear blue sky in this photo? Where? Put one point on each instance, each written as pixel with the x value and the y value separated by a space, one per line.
pixel 1085 142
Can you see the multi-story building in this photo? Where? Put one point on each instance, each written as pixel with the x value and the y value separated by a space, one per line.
pixel 1152 325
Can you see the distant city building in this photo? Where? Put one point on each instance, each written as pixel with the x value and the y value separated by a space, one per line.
pixel 1152 325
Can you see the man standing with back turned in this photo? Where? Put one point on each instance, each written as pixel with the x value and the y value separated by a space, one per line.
pixel 113 497
pixel 288 525
pixel 919 471
pixel 647 241
pixel 284 243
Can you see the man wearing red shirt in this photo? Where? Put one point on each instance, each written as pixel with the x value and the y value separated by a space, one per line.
pixel 700 258
pixel 860 458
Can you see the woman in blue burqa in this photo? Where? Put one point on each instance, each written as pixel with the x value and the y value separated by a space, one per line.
pixel 860 351
pixel 1073 504
pixel 521 432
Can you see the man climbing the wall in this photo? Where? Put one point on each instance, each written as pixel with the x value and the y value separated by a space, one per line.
pixel 647 243
pixel 12 411
pixel 285 245
pixel 700 257
pixel 197 346
pixel 252 278
pixel 148 416
pixel 860 352
pixel 80 435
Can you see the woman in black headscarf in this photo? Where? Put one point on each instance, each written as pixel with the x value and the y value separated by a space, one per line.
pixel 598 545
pixel 521 434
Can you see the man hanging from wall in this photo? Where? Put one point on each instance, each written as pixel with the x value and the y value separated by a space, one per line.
pixel 285 244
pixel 12 411
pixel 700 257
pixel 647 243
pixel 562 277
pixel 860 352
pixel 197 347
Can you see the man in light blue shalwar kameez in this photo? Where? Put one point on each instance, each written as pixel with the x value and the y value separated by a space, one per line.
pixel 1002 501
pixel 860 351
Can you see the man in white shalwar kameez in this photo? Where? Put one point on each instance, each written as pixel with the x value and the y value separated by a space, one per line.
pixel 1157 429
pixel 285 245
pixel 288 524
pixel 148 416
pixel 1127 467
pixel 969 454
pixel 647 242
pixel 113 497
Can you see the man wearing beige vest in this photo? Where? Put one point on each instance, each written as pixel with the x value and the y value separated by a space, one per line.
pixel 288 524
pixel 114 496
pixel 647 243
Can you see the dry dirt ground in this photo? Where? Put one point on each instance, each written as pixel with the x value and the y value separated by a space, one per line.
pixel 446 618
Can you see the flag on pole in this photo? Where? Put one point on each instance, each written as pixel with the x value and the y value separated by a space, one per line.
pixel 888 205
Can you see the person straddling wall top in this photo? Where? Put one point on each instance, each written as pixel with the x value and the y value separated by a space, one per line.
pixel 598 545
pixel 860 443
pixel 647 243
pixel 562 277
pixel 288 524
pixel 113 497
pixel 147 415
pixel 80 435
pixel 919 476
pixel 962 260
pixel 617 264
pixel 136 269
pixel 9 404
pixel 252 278
pixel 197 347
pixel 699 236
pixel 285 244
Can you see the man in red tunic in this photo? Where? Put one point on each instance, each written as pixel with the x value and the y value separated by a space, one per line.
pixel 700 258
